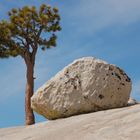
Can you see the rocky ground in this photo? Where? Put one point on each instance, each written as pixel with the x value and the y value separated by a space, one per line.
pixel 115 124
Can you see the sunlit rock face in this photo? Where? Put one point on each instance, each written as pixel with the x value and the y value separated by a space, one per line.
pixel 86 85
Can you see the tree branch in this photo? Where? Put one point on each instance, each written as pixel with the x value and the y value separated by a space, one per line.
pixel 39 32
pixel 34 47
pixel 20 39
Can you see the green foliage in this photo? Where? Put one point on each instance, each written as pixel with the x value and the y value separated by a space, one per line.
pixel 27 29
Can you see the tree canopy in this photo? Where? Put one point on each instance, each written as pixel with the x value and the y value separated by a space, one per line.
pixel 27 29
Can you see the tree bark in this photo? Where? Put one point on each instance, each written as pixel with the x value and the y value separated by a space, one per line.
pixel 29 58
pixel 29 115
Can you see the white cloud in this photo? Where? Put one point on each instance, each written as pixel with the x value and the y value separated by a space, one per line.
pixel 93 15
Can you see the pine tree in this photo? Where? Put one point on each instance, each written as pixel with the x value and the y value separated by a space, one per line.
pixel 27 30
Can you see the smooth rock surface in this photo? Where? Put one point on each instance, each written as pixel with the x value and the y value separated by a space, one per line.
pixel 114 124
pixel 86 85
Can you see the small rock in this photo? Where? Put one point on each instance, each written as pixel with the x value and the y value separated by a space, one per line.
pixel 131 101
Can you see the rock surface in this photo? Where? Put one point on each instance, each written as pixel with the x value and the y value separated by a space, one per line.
pixel 86 85
pixel 114 124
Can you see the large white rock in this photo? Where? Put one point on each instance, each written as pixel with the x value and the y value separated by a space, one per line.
pixel 86 85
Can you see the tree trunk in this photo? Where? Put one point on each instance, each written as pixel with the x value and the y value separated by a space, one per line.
pixel 29 115
pixel 29 58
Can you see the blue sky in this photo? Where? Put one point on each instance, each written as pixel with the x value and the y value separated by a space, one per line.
pixel 106 29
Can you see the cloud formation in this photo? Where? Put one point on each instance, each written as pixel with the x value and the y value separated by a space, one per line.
pixel 95 15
